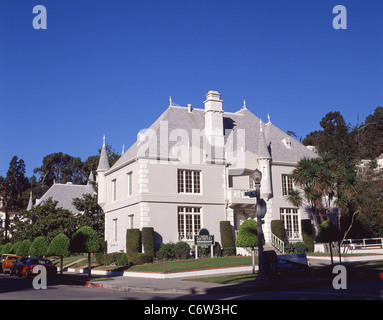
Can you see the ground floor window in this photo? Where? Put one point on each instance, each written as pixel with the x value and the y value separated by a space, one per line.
pixel 290 219
pixel 189 222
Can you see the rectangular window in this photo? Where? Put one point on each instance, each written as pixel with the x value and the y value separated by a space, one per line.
pixel 114 231
pixel 130 221
pixel 291 222
pixel 189 181
pixel 129 177
pixel 287 184
pixel 189 222
pixel 114 190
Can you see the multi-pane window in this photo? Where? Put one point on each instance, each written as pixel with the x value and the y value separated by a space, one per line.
pixel 291 222
pixel 189 222
pixel 189 181
pixel 287 184
pixel 129 177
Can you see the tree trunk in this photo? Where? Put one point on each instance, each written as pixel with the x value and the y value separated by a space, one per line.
pixel 61 266
pixel 332 261
pixel 89 269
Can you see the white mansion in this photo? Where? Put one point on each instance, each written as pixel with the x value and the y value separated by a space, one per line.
pixel 190 169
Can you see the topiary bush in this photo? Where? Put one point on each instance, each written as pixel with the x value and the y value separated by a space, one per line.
pixel 307 234
pixel 227 239
pixel 8 248
pixel 278 229
pixel 247 235
pixel 133 241
pixel 182 250
pixel 23 249
pixel 148 240
pixel 39 247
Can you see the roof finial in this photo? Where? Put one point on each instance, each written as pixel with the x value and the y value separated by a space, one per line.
pixel 260 125
pixel 244 104
pixel 123 149
pixel 103 141
pixel 268 117
pixel 170 101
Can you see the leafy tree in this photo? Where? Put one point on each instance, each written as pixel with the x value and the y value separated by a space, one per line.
pixel 369 135
pixel 59 246
pixel 44 220
pixel 328 232
pixel 61 168
pixel 16 183
pixel 85 240
pixel 91 214
pixel 335 139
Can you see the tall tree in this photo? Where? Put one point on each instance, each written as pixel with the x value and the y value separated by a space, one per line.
pixel 369 135
pixel 15 183
pixel 62 168
pixel 334 139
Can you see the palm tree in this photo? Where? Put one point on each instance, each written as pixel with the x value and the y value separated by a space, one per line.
pixel 323 183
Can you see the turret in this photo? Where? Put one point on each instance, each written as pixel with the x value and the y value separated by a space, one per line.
pixel 264 161
pixel 103 166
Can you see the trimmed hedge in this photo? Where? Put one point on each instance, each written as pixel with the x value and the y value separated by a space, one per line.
pixel 307 234
pixel 278 229
pixel 133 241
pixel 148 240
pixel 227 239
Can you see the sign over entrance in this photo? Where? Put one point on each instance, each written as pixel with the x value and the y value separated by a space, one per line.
pixel 204 238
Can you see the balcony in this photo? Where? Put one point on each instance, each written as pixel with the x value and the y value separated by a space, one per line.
pixel 237 198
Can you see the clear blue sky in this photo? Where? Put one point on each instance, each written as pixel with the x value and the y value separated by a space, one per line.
pixel 109 67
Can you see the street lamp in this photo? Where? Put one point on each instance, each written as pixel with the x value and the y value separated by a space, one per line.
pixel 260 211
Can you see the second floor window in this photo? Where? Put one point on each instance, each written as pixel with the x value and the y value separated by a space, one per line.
pixel 287 184
pixel 189 181
pixel 114 190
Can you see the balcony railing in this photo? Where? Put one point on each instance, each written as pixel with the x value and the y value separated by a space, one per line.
pixel 237 196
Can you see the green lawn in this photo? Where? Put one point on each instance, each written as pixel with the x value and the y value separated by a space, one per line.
pixel 192 264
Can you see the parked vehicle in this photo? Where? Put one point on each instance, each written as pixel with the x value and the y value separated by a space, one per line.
pixel 8 262
pixel 18 266
pixel 27 269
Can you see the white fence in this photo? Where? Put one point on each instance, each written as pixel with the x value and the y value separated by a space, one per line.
pixel 362 244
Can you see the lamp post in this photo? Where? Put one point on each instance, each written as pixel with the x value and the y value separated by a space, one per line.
pixel 260 211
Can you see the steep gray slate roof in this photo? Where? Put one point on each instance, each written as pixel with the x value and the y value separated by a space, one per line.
pixel 181 118
pixel 65 194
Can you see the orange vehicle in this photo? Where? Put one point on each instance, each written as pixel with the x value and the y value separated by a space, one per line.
pixel 8 262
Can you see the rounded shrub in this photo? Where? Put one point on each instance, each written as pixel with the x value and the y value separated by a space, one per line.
pixel 39 247
pixel 23 249
pixel 182 250
pixel 166 251
pixel 247 235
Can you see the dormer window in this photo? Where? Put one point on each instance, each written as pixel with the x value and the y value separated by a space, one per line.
pixel 287 142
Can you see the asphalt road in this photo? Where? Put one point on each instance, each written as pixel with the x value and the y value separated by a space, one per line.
pixel 14 288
